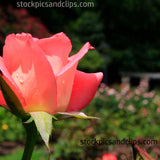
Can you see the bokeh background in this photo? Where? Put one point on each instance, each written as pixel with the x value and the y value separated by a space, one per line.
pixel 126 35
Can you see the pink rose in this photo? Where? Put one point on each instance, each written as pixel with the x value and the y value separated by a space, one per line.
pixel 43 76
pixel 109 157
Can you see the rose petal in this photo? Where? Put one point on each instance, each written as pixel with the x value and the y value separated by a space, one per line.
pixel 2 101
pixel 64 88
pixel 7 77
pixel 65 79
pixel 57 49
pixel 31 71
pixel 75 58
pixel 84 88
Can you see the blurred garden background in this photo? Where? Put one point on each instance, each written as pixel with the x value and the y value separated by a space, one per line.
pixel 126 35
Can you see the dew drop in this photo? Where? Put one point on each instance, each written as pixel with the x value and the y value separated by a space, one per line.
pixel 63 81
pixel 21 81
pixel 17 75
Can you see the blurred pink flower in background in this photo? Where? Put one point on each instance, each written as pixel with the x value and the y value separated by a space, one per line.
pixel 109 157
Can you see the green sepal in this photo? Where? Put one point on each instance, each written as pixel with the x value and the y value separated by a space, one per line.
pixel 55 118
pixel 29 120
pixel 43 123
pixel 80 115
pixel 12 100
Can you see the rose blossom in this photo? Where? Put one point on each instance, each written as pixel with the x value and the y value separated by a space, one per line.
pixel 43 76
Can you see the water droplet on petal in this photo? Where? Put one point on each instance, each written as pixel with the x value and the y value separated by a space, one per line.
pixel 21 81
pixel 63 81
pixel 17 75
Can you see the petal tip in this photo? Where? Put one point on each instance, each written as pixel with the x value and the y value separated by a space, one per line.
pixel 89 46
pixel 99 76
pixel 61 33
pixel 10 36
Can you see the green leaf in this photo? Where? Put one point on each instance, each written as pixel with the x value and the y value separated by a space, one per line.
pixel 43 123
pixel 11 99
pixel 76 115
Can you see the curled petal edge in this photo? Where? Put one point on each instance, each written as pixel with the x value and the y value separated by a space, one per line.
pixel 11 93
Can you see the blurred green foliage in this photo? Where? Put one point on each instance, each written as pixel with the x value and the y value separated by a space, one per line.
pixel 130 28
pixel 119 109
pixel 89 27
pixel 15 20
pixel 11 128
pixel 129 23
pixel 92 61
pixel 140 59
pixel 40 153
